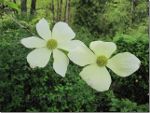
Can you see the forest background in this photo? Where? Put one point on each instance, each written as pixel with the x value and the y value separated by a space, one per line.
pixel 124 22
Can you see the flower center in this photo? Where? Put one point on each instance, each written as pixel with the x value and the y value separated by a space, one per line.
pixel 51 44
pixel 101 61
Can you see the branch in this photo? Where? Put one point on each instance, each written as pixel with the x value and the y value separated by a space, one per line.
pixel 21 26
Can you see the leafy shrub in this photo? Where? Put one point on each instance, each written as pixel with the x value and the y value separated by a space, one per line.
pixel 105 18
pixel 89 14
pixel 7 6
pixel 26 89
pixel 125 105
pixel 135 85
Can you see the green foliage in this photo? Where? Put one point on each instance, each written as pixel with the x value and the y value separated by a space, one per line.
pixel 141 11
pixel 26 89
pixel 136 85
pixel 84 34
pixel 125 105
pixel 89 14
pixel 10 5
pixel 107 18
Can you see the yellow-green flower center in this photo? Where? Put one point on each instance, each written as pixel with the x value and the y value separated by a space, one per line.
pixel 101 61
pixel 51 44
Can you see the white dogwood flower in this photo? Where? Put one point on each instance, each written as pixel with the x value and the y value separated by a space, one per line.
pixel 95 73
pixel 50 42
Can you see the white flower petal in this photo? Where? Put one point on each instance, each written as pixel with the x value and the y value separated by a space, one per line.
pixel 70 45
pixel 60 63
pixel 82 56
pixel 33 42
pixel 43 29
pixel 39 57
pixel 62 32
pixel 124 64
pixel 103 48
pixel 96 77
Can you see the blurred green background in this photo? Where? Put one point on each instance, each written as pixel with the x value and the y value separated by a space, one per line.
pixel 124 22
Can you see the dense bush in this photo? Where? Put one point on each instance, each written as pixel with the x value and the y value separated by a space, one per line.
pixel 26 89
pixel 135 87
pixel 105 18
pixel 89 14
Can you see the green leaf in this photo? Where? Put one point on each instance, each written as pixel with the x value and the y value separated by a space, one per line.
pixel 2 1
pixel 12 5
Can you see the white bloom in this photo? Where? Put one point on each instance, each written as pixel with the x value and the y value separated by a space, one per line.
pixel 51 42
pixel 96 61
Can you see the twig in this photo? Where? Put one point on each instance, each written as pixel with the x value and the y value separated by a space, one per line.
pixel 22 26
